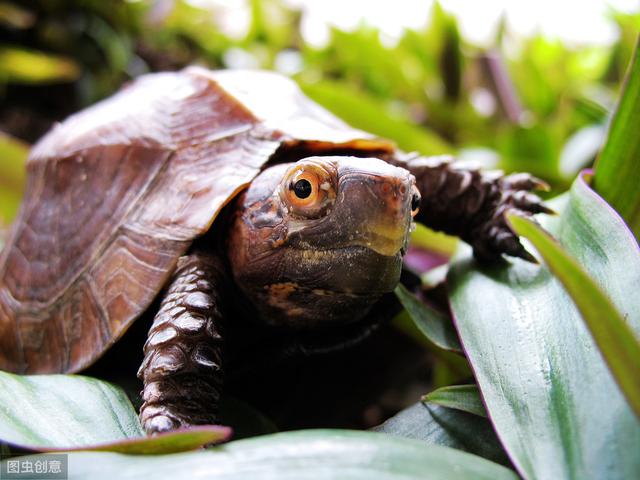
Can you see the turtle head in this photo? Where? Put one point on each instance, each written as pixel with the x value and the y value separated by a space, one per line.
pixel 321 240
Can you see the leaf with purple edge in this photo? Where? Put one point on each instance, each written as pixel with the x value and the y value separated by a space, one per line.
pixel 72 412
pixel 181 440
pixel 550 396
pixel 438 425
pixel 614 338
pixel 304 454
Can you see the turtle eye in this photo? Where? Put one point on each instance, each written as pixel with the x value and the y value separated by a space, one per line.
pixel 415 201
pixel 308 191
pixel 303 189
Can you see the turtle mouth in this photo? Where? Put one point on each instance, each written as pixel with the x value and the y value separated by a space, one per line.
pixel 389 241
pixel 389 246
pixel 378 245
pixel 347 269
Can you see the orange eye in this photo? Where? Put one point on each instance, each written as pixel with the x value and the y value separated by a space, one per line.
pixel 303 189
pixel 308 190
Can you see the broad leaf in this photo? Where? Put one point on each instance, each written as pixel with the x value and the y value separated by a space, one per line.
pixel 182 440
pixel 67 412
pixel 460 397
pixel 552 399
pixel 312 454
pixel 614 338
pixel 438 425
pixel 433 324
pixel 436 242
pixel 618 166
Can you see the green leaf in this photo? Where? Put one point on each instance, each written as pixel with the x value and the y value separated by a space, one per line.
pixel 437 242
pixel 451 60
pixel 271 25
pixel 183 440
pixel 553 401
pixel 312 454
pixel 29 66
pixel 618 166
pixel 366 113
pixel 68 412
pixel 534 148
pixel 461 397
pixel 433 324
pixel 437 425
pixel 614 338
pixel 13 155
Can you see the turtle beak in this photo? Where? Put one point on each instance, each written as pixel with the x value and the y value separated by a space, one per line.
pixel 382 216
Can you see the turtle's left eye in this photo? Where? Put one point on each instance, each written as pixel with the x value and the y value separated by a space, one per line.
pixel 415 201
pixel 308 191
pixel 303 189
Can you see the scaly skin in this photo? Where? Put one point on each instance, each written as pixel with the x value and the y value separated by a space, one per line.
pixel 471 204
pixel 182 369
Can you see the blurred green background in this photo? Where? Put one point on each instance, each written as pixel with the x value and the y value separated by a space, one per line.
pixel 531 104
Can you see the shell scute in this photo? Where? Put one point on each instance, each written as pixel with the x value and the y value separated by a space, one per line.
pixel 117 193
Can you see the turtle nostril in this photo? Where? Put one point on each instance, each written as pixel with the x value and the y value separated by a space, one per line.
pixel 415 201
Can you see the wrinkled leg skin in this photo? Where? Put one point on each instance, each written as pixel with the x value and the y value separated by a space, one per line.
pixel 471 203
pixel 182 368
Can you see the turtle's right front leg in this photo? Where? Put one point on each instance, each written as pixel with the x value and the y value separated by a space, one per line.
pixel 182 367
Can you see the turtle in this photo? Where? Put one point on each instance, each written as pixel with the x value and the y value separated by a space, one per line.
pixel 220 197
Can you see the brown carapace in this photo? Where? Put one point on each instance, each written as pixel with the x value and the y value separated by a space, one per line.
pixel 207 190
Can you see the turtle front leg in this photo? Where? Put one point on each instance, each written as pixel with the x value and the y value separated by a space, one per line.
pixel 471 204
pixel 182 368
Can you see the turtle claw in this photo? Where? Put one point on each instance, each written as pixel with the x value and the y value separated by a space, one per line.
pixel 525 255
pixel 530 202
pixel 472 204
pixel 525 181
pixel 502 240
pixel 497 237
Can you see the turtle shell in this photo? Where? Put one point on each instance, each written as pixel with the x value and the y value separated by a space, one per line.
pixel 118 192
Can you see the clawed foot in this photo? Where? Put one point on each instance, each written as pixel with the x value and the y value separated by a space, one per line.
pixel 493 236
